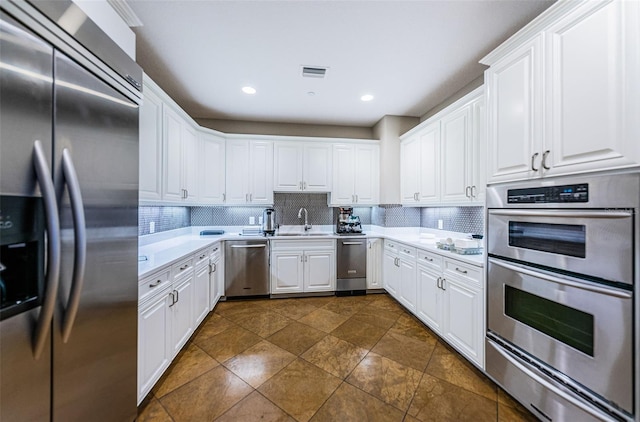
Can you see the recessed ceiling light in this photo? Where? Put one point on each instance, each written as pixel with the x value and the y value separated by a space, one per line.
pixel 248 90
pixel 367 97
pixel 311 93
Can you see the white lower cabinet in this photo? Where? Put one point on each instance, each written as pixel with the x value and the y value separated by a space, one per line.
pixel 216 280
pixel 299 266
pixel 444 293
pixel 154 331
pixel 374 264
pixel 201 285
pixel 391 269
pixel 172 302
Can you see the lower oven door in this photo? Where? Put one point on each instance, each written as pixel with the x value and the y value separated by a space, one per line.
pixel 580 328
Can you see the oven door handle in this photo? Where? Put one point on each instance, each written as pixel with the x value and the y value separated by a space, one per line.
pixel 591 288
pixel 562 213
pixel 544 382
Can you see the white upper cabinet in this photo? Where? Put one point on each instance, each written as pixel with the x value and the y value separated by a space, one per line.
pixel 441 158
pixel 356 174
pixel 211 169
pixel 559 93
pixel 249 172
pixel 180 147
pixel 150 185
pixel 302 167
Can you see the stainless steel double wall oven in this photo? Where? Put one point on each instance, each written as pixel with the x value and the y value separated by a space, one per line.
pixel 562 301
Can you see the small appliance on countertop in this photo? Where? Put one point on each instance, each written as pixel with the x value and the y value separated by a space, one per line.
pixel 348 224
pixel 269 221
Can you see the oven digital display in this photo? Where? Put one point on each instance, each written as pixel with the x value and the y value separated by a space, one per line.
pixel 560 239
pixel 549 194
pixel 568 325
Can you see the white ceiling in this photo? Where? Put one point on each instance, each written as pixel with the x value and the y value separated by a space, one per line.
pixel 411 55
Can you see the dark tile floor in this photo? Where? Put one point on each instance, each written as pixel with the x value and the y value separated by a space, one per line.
pixel 358 358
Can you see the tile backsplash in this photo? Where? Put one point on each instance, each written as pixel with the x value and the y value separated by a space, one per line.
pixel 287 205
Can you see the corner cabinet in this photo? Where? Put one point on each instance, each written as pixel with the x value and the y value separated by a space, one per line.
pixel 302 166
pixel 211 169
pixel 442 160
pixel 150 184
pixel 249 172
pixel 374 264
pixel 302 266
pixel 547 116
pixel 356 174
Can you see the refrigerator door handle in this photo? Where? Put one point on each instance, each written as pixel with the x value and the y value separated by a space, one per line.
pixel 80 243
pixel 53 249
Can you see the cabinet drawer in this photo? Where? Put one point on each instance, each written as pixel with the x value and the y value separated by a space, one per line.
pixel 182 268
pixel 462 271
pixel 216 251
pixel 430 260
pixel 303 244
pixel 148 286
pixel 391 246
pixel 407 251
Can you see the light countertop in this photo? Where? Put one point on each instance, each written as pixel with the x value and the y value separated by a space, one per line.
pixel 158 250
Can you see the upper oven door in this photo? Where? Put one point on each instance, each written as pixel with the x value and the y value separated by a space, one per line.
pixel 596 243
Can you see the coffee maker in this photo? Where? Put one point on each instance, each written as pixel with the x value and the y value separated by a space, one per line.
pixel 347 223
pixel 269 221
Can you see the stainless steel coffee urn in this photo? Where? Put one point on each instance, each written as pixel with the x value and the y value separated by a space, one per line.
pixel 269 221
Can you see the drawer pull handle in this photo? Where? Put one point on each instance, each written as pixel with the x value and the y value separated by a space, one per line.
pixel 156 284
pixel 202 256
pixel 461 271
pixel 184 267
pixel 428 259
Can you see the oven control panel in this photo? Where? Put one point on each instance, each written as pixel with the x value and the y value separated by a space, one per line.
pixel 549 194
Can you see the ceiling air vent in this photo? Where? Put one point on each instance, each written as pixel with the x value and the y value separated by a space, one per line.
pixel 313 72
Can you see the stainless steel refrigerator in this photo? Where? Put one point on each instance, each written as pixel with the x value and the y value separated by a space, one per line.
pixel 68 217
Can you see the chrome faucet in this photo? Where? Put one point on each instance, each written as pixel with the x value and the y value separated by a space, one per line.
pixel 307 226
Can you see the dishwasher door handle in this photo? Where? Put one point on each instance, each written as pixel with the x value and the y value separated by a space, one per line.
pixel 353 243
pixel 248 246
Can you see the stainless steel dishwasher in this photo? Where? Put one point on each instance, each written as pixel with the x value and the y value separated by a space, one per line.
pixel 352 266
pixel 246 268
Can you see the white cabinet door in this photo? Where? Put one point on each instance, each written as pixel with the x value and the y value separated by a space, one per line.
pixel 182 314
pixel 429 305
pixel 237 172
pixel 172 182
pixel 589 87
pixel 201 295
pixel 154 353
pixel 391 273
pixel 374 264
pixel 429 174
pixel 410 170
pixel 214 282
pixel 316 168
pixel 319 271
pixel 261 172
pixel 287 166
pixel 150 185
pixel 211 169
pixel 463 320
pixel 514 87
pixel 287 272
pixel 190 163
pixel 455 141
pixel 478 161
pixel 408 288
pixel 367 174
pixel 343 175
